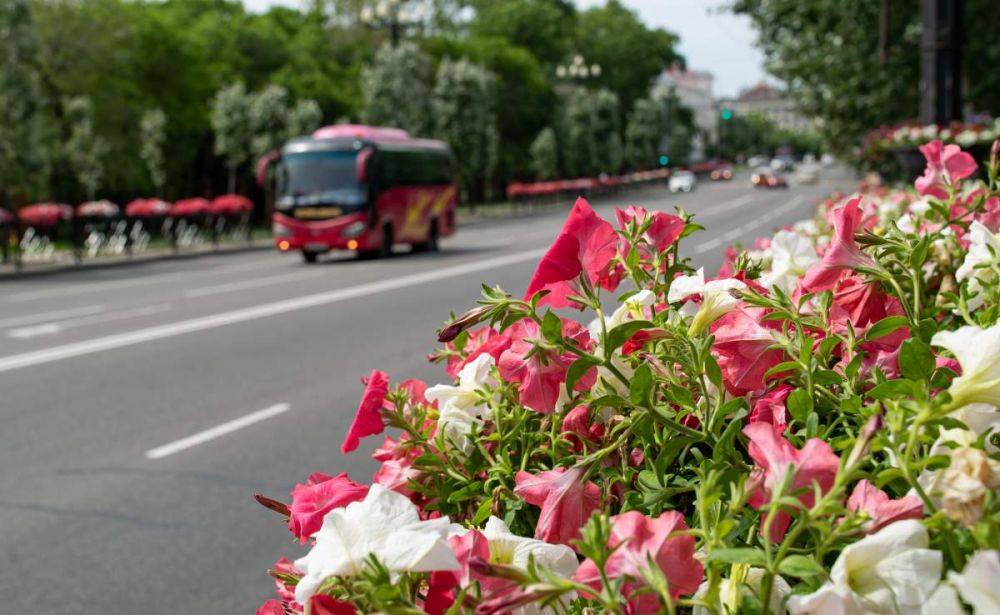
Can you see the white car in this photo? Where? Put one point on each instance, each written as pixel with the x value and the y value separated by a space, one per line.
pixel 681 181
pixel 807 174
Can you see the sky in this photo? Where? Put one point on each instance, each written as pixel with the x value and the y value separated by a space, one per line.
pixel 712 39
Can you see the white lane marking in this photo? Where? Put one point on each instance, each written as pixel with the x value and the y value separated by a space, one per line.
pixel 95 287
pixel 724 207
pixel 736 233
pixel 216 432
pixel 30 319
pixel 50 328
pixel 120 340
pixel 205 291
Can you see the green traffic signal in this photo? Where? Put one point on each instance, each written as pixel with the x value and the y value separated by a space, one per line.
pixel 726 114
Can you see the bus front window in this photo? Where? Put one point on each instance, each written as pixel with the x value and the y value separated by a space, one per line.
pixel 320 178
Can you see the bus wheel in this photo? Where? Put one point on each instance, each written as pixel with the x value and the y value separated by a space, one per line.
pixel 431 245
pixel 309 257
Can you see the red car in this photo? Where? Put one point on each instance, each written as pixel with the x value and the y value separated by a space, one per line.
pixel 723 172
pixel 766 178
pixel 363 189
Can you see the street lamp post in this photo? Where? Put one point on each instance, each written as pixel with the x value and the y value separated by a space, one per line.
pixel 393 15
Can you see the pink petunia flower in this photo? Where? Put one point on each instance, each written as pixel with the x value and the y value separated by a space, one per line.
pixel 586 245
pixel 843 252
pixel 319 495
pixel 485 340
pixel 368 419
pixel 444 584
pixel 770 409
pixel 880 508
pixel 815 463
pixel 321 604
pixel 270 607
pixel 566 502
pixel 946 165
pixel 285 591
pixel 541 372
pixel 743 350
pixel 664 229
pixel 637 539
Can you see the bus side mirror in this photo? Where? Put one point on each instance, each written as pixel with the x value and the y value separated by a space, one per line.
pixel 361 165
pixel 265 163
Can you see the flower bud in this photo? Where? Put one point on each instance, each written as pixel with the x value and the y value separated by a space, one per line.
pixel 995 154
pixel 864 441
pixel 279 507
pixel 463 322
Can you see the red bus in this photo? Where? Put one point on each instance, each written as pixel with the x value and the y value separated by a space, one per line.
pixel 363 189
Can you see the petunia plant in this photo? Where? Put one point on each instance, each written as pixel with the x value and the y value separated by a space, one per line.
pixel 812 430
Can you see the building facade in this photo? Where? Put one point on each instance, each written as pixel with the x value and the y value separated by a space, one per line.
pixel 693 89
pixel 769 102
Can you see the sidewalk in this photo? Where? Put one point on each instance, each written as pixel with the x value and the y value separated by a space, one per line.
pixel 63 260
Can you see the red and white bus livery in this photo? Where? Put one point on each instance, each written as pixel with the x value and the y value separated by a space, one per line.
pixel 364 189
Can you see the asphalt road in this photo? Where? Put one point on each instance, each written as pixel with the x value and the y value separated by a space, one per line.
pixel 141 406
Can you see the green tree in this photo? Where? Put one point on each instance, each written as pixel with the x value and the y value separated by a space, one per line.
pixel 577 135
pixel 25 120
pixel 85 149
pixel 231 125
pixel 607 131
pixel 543 27
pixel 629 53
pixel 545 155
pixel 305 117
pixel 644 131
pixel 269 116
pixel 465 117
pixel 153 137
pixel 396 90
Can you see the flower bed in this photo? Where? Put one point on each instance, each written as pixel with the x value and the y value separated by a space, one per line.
pixel 813 430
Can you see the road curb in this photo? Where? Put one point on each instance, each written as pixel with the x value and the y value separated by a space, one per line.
pixel 7 272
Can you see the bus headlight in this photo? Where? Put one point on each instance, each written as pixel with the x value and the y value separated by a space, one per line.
pixel 354 229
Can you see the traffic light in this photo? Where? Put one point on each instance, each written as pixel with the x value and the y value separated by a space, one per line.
pixel 727 114
pixel 664 160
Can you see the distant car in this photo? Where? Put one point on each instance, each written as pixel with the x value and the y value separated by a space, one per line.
pixel 681 181
pixel 757 161
pixel 722 172
pixel 782 163
pixel 807 174
pixel 768 178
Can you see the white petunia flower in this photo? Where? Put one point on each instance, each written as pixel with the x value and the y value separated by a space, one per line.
pixel 981 241
pixel 890 571
pixel 978 583
pixel 517 551
pixel 466 396
pixel 920 207
pixel 716 297
pixel 905 224
pixel 385 524
pixel 791 255
pixel 743 581
pixel 978 352
pixel 960 489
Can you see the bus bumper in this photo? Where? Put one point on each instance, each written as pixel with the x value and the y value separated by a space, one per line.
pixel 349 232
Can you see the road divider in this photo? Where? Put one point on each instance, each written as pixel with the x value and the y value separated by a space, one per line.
pixel 217 432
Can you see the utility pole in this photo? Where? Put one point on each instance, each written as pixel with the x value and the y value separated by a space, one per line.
pixel 941 45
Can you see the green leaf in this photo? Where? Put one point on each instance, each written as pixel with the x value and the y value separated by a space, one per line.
pixel 577 370
pixel 884 327
pixel 552 327
pixel 799 404
pixel 784 366
pixel 800 566
pixel 483 512
pixel 713 372
pixel 892 389
pixel 827 377
pixel 640 386
pixel 620 334
pixel 916 361
pixel 740 555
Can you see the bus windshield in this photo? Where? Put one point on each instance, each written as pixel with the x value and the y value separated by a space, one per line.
pixel 320 178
